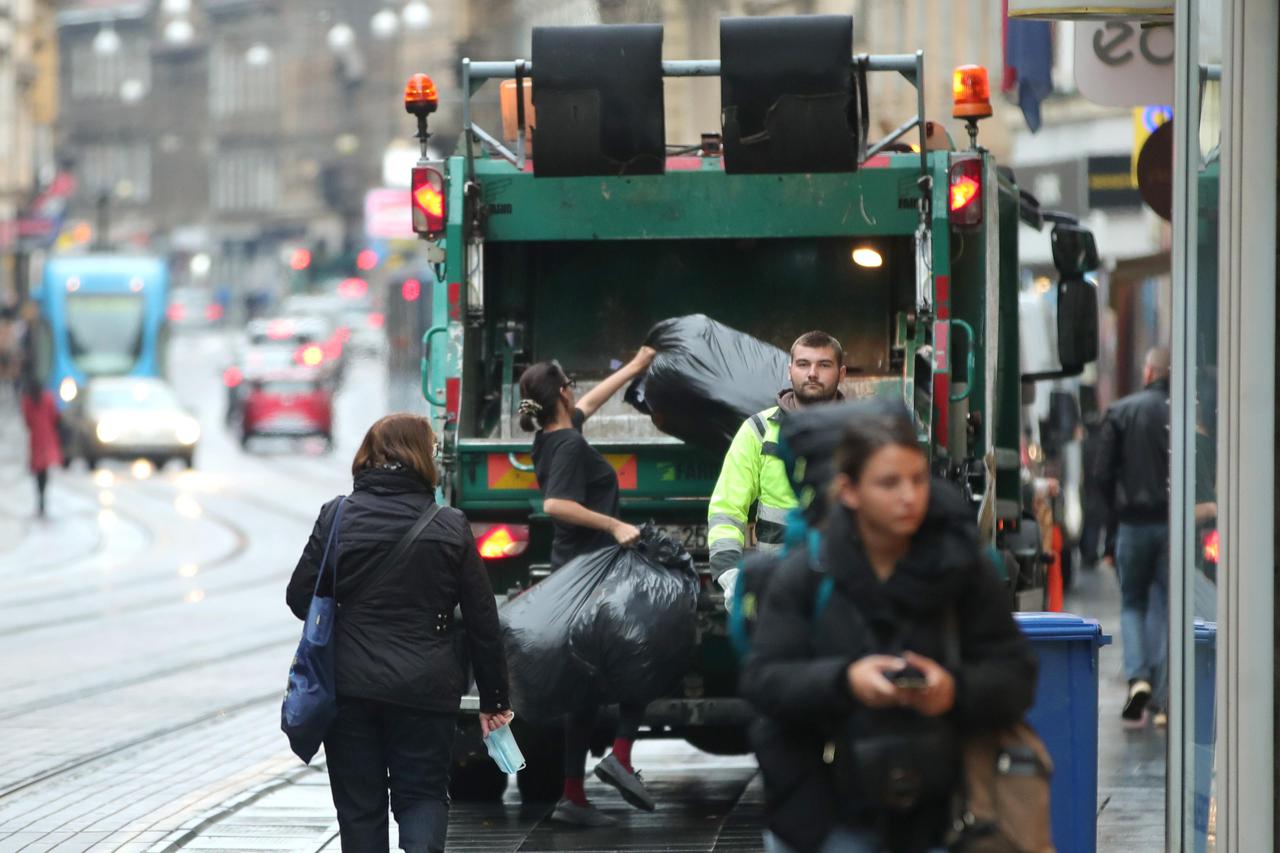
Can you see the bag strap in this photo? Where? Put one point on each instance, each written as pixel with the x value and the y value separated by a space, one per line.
pixel 402 547
pixel 328 544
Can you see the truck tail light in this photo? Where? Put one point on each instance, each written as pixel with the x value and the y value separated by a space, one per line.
pixel 1212 548
pixel 428 201
pixel 500 541
pixel 176 312
pixel 966 191
pixel 310 355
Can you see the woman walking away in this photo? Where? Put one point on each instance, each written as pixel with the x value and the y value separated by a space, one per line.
pixel 907 648
pixel 580 493
pixel 399 678
pixel 41 415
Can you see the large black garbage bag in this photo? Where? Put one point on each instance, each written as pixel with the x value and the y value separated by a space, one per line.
pixel 616 625
pixel 707 379
pixel 807 442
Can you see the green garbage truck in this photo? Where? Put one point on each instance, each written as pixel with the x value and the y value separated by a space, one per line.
pixel 571 229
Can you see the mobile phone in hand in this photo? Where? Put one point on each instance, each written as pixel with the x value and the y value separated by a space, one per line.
pixel 908 678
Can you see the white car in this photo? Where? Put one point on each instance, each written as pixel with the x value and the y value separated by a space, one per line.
pixel 130 417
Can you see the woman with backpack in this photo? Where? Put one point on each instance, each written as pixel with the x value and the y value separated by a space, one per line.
pixel 877 649
pixel 403 563
pixel 580 493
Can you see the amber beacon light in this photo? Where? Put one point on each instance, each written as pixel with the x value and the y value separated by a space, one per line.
pixel 420 95
pixel 971 92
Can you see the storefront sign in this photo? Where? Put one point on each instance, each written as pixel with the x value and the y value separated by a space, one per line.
pixel 1155 171
pixel 1111 183
pixel 1124 64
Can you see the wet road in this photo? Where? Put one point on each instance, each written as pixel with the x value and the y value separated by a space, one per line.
pixel 145 642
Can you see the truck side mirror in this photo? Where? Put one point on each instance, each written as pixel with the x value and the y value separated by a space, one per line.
pixel 1074 250
pixel 1077 323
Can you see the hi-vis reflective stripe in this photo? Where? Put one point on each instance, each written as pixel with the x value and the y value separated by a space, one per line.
pixel 773 514
pixel 729 520
pixel 503 476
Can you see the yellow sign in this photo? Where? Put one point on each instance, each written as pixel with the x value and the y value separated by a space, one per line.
pixel 1145 122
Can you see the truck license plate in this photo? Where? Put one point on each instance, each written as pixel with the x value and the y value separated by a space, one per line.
pixel 692 536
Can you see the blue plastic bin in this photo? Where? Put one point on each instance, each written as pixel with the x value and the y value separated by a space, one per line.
pixel 1065 715
pixel 1206 674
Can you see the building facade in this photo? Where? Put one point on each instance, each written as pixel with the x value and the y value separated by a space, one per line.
pixel 238 129
pixel 28 110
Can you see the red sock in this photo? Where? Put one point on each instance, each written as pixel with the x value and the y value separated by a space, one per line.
pixel 622 751
pixel 574 791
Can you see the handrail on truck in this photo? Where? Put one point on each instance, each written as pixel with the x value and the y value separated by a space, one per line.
pixel 475 74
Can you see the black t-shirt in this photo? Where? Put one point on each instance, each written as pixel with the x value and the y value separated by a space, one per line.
pixel 569 468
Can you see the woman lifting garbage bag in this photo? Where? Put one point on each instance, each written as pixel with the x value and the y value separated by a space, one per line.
pixel 867 682
pixel 580 493
pixel 402 563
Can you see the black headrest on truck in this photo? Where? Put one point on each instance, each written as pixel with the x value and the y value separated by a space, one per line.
pixel 598 93
pixel 789 99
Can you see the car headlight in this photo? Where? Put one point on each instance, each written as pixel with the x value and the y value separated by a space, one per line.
pixel 188 431
pixel 108 430
pixel 68 390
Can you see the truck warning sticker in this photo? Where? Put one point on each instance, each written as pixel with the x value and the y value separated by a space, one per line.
pixel 505 476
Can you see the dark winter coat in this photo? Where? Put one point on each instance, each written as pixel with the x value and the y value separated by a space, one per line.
pixel 396 637
pixel 1132 465
pixel 797 673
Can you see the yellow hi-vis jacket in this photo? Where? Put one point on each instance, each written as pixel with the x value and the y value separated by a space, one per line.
pixel 753 475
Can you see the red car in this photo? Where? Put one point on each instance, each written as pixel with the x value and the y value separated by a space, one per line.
pixel 295 407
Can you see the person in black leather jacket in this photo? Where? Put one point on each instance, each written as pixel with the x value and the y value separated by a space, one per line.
pixel 905 561
pixel 1132 470
pixel 400 676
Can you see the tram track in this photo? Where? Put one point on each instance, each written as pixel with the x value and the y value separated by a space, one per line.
pixel 84 761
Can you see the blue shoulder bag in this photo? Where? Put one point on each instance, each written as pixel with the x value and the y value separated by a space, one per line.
pixel 311 700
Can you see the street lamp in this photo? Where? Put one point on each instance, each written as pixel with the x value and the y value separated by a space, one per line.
pixel 107 41
pixel 416 15
pixel 258 55
pixel 384 24
pixel 179 31
pixel 341 37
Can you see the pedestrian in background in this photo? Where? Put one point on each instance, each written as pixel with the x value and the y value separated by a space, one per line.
pixel 399 676
pixel 40 413
pixel 580 493
pixel 847 682
pixel 1132 469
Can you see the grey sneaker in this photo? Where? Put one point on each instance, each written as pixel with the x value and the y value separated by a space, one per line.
pixel 629 784
pixel 568 811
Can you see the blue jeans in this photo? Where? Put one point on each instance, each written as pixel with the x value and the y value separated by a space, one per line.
pixel 841 840
pixel 1142 561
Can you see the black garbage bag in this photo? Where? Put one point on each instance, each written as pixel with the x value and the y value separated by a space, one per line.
pixel 807 442
pixel 707 379
pixel 615 625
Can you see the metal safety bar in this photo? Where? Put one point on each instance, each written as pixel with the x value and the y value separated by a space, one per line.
pixel 903 63
pixel 909 65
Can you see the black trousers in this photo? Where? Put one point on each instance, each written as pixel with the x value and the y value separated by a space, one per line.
pixel 579 727
pixel 375 746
